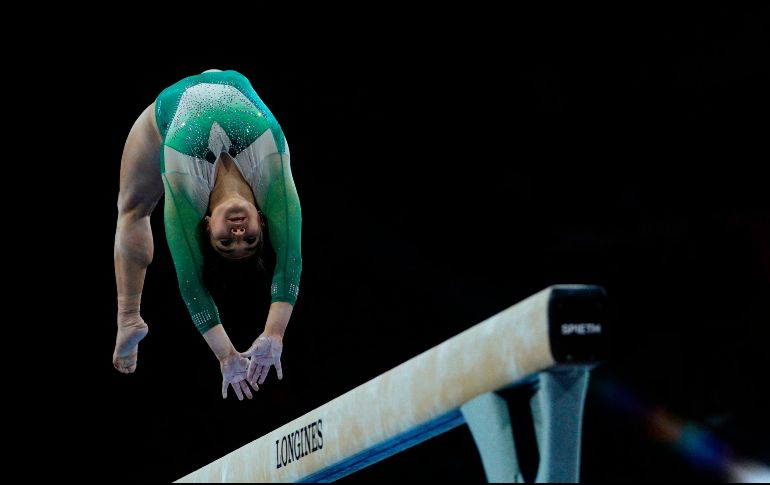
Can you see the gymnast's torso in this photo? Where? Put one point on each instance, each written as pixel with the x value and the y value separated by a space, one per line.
pixel 199 118
pixel 203 115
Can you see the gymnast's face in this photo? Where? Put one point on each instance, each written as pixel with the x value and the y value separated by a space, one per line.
pixel 234 228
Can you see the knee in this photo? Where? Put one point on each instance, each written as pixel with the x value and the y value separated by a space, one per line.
pixel 134 204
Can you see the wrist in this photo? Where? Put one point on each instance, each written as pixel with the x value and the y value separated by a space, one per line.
pixel 220 343
pixel 278 319
pixel 227 355
pixel 274 333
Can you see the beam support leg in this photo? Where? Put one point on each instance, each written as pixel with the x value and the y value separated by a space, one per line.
pixel 557 416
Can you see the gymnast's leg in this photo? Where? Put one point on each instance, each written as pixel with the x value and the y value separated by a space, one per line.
pixel 141 187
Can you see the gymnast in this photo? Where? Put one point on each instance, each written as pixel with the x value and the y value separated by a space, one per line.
pixel 211 145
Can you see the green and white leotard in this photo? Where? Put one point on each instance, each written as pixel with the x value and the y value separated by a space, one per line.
pixel 200 117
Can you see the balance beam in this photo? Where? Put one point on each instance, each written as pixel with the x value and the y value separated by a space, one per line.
pixel 427 395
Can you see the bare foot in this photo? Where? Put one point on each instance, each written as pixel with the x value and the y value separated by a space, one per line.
pixel 127 346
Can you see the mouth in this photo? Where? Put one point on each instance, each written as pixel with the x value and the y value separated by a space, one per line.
pixel 237 220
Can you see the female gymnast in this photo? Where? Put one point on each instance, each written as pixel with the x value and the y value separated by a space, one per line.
pixel 211 145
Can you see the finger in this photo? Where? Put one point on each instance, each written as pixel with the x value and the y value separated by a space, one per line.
pixel 251 370
pixel 258 374
pixel 237 389
pixel 263 374
pixel 245 389
pixel 260 347
pixel 224 389
pixel 254 385
pixel 250 351
pixel 255 376
pixel 253 381
pixel 278 368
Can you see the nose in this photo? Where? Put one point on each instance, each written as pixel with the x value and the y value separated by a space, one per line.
pixel 238 230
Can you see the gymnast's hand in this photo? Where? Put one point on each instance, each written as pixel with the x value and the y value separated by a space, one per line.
pixel 263 353
pixel 234 368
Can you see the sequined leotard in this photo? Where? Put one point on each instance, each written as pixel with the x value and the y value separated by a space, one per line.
pixel 200 117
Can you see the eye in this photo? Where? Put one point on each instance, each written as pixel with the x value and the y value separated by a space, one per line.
pixel 251 240
pixel 225 242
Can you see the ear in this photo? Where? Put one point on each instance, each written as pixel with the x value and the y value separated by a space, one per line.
pixel 208 221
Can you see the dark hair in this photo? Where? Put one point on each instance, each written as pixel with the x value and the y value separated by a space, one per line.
pixel 219 271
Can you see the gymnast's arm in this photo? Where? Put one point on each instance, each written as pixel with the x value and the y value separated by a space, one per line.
pixel 181 221
pixel 282 209
pixel 284 217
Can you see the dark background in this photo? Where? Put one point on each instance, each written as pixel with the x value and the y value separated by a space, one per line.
pixel 444 178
